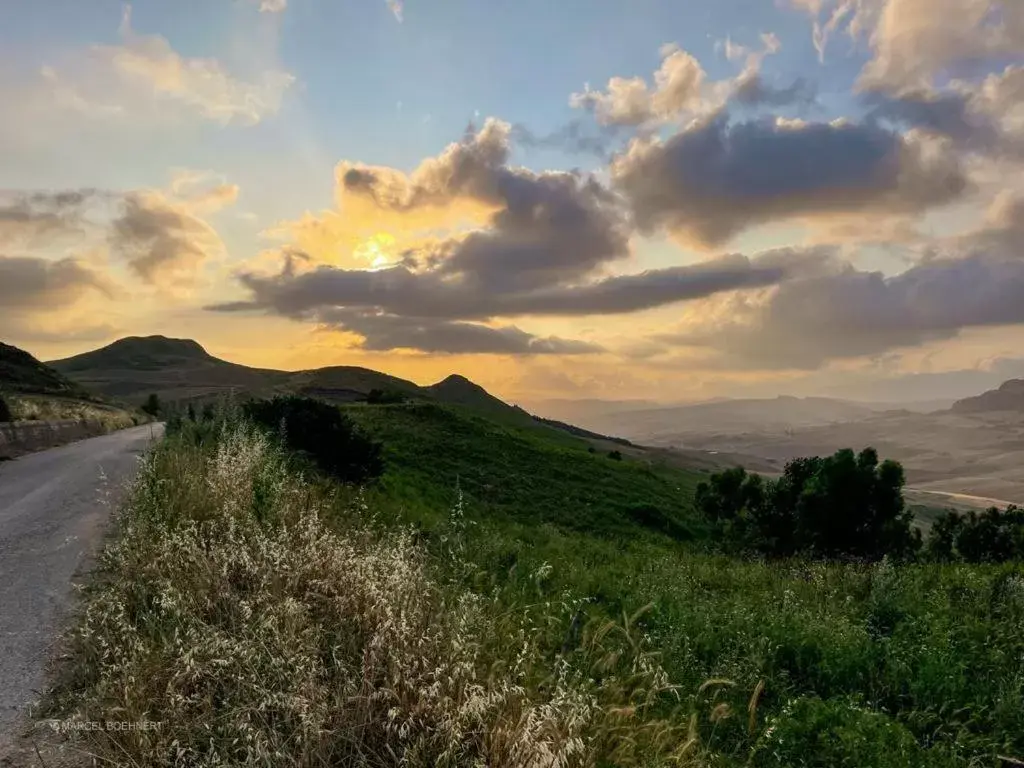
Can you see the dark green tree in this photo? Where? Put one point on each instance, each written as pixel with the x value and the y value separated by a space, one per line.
pixel 191 412
pixel 615 455
pixel 322 433
pixel 152 405
pixel 378 396
pixel 844 505
pixel 992 536
pixel 5 411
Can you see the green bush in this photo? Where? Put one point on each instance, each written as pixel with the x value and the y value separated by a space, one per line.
pixel 811 733
pixel 5 411
pixel 322 433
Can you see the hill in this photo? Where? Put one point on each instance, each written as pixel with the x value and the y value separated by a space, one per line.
pixel 525 475
pixel 181 369
pixel 20 372
pixel 1008 397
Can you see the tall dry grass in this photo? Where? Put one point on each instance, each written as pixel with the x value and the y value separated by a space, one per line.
pixel 258 632
pixel 42 408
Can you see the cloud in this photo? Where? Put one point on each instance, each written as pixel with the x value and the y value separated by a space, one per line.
pixel 753 91
pixel 399 290
pixel 630 101
pixel 541 227
pixel 471 168
pixel 681 89
pixel 570 138
pixel 972 282
pixel 538 244
pixel 273 6
pixel 144 75
pixel 384 332
pixel 397 7
pixel 714 179
pixel 29 283
pixel 29 219
pixel 915 42
pixel 162 239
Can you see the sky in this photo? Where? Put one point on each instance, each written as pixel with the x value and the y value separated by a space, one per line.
pixel 616 199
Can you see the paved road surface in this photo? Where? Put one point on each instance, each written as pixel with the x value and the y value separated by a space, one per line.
pixel 51 521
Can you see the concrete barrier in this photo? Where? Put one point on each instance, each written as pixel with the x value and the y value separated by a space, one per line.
pixel 20 437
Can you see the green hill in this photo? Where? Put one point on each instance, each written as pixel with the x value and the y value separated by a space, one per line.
pixel 20 372
pixel 521 473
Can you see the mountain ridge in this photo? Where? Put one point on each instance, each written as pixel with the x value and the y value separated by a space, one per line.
pixel 182 369
pixel 1008 396
pixel 21 372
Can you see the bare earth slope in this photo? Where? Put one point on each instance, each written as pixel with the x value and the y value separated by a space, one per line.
pixel 51 521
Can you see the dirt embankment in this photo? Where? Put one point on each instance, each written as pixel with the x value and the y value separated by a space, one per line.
pixel 21 437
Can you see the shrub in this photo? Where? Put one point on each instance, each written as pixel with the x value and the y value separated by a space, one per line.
pixel 811 733
pixel 5 411
pixel 152 405
pixel 323 434
pixel 385 396
pixel 615 455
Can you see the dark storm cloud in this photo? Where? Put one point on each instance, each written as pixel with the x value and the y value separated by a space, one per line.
pixel 712 180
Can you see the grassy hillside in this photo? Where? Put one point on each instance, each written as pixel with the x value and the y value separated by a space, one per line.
pixel 852 665
pixel 21 372
pixel 566 595
pixel 530 474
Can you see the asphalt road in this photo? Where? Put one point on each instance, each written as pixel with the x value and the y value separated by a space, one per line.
pixel 52 520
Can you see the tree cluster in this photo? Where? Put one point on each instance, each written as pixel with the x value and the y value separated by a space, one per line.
pixel 322 433
pixel 841 506
pixel 993 536
pixel 377 396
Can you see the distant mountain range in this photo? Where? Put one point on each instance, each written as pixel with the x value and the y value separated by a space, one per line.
pixel 179 370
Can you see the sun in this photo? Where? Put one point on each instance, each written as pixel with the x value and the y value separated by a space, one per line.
pixel 375 251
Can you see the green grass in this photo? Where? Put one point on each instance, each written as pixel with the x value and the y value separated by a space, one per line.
pixel 521 474
pixel 903 665
pixel 568 559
